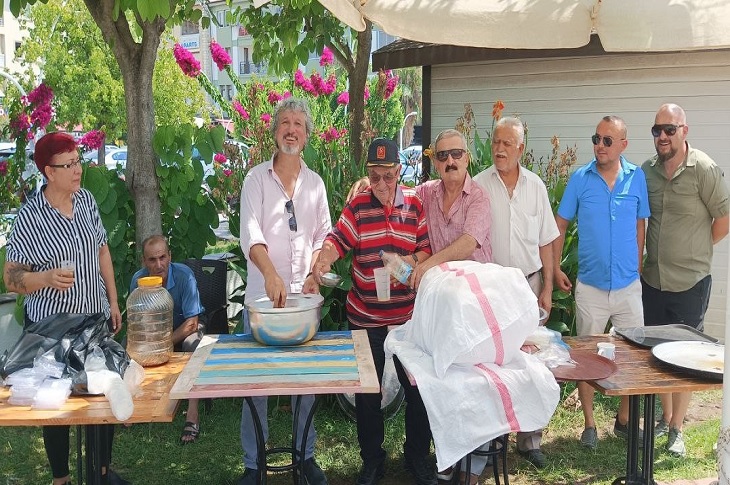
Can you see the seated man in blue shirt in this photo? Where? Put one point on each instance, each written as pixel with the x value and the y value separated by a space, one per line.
pixel 187 324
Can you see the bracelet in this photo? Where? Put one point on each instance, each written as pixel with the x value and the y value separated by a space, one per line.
pixel 308 275
pixel 415 258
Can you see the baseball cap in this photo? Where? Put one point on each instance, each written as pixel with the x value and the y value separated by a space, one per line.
pixel 382 153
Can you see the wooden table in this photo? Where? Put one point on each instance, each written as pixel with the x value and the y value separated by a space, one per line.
pixel 152 405
pixel 639 374
pixel 238 366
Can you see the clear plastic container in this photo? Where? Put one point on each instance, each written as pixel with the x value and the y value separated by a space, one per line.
pixel 149 322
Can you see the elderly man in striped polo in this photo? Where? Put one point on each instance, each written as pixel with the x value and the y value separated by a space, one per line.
pixel 388 217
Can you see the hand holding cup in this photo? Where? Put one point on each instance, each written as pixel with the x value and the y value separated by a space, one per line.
pixel 63 277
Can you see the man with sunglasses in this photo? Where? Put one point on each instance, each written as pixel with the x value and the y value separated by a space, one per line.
pixel 457 210
pixel 689 214
pixel 388 217
pixel 284 220
pixel 522 232
pixel 609 198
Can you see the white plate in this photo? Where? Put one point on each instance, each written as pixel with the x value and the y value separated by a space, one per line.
pixel 702 358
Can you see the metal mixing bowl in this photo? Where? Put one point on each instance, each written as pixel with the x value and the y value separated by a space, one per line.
pixel 295 323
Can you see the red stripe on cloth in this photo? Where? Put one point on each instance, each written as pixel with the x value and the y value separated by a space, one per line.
pixel 504 395
pixel 488 317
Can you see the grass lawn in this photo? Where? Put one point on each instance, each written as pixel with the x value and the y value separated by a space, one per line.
pixel 151 453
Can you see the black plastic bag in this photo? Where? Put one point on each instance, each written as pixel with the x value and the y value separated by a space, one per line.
pixel 70 337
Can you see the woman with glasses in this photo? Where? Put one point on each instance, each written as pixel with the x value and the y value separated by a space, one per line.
pixel 62 224
pixel 388 217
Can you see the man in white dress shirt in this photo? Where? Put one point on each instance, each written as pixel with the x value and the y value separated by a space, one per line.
pixel 523 229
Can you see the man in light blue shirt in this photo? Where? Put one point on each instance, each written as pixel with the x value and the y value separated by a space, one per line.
pixel 609 198
pixel 187 324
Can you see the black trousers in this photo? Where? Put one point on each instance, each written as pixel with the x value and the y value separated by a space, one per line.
pixel 370 422
pixel 56 442
pixel 686 307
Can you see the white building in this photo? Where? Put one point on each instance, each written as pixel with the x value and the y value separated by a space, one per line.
pixel 11 37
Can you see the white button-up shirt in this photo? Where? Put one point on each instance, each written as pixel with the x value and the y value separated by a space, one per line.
pixel 265 220
pixel 521 224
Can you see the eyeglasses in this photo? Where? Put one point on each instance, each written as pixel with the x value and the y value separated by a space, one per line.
pixel 375 178
pixel 73 164
pixel 668 129
pixel 607 140
pixel 289 206
pixel 456 154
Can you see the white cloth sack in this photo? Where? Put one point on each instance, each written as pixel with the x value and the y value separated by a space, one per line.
pixel 462 348
pixel 468 312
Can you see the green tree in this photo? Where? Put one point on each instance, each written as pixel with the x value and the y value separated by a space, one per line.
pixel 79 66
pixel 287 31
pixel 133 30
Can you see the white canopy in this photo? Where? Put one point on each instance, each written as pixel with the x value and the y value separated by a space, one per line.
pixel 622 25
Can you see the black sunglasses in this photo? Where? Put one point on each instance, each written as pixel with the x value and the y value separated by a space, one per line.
pixel 607 140
pixel 456 154
pixel 668 129
pixel 289 206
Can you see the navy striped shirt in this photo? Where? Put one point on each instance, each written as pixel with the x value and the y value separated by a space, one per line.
pixel 41 238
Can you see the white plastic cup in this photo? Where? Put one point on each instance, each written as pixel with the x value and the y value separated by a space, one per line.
pixel 382 283
pixel 607 350
pixel 68 266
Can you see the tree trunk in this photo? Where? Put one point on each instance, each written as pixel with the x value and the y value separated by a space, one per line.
pixel 137 64
pixel 358 78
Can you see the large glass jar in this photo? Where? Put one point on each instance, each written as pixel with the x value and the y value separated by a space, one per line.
pixel 149 322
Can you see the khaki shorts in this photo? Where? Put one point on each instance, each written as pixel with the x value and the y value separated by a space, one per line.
pixel 596 307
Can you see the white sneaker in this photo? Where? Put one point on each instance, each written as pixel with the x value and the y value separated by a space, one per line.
pixel 661 428
pixel 675 443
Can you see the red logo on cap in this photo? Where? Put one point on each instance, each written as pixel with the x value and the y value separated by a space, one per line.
pixel 381 153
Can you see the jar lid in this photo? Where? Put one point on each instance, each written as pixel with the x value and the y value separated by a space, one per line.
pixel 149 281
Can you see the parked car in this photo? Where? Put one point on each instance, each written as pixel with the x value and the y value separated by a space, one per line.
pixel 93 155
pixel 410 160
pixel 116 159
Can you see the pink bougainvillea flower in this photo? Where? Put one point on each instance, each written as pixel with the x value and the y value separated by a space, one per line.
pixel 327 57
pixel 40 95
pixel 186 60
pixel 42 115
pixel 274 97
pixel 227 172
pixel 3 167
pixel 317 82
pixel 266 118
pixel 328 87
pixel 332 134
pixel 240 110
pixel 299 78
pixel 287 94
pixel 93 139
pixel 29 136
pixel 390 86
pixel 220 56
pixel 343 98
pixel 366 96
pixel 219 158
pixel 21 124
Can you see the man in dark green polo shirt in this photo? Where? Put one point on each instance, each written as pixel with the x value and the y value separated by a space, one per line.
pixel 688 198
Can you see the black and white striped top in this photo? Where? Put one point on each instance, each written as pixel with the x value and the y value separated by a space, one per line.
pixel 41 238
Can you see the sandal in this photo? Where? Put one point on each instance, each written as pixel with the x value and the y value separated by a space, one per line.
pixel 190 432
